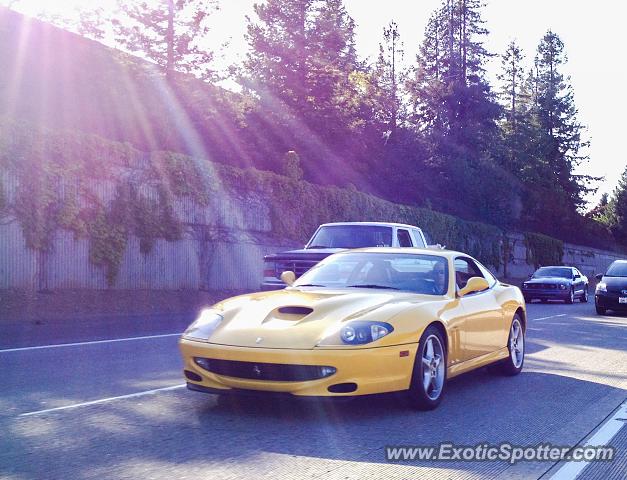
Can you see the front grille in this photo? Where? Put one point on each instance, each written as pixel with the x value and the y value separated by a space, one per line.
pixel 276 372
pixel 297 266
pixel 542 286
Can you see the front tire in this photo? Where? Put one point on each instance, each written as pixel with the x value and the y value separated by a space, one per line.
pixel 429 373
pixel 516 347
pixel 571 297
pixel 600 310
pixel 584 296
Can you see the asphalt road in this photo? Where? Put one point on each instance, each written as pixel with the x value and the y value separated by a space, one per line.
pixel 114 409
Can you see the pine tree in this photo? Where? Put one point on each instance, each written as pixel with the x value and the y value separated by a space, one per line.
pixel 457 111
pixel 302 66
pixel 168 32
pixel 389 76
pixel 561 143
pixel 618 210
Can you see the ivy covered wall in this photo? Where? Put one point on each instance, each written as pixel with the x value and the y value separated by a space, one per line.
pixel 118 203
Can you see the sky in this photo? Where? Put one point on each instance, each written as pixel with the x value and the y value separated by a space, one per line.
pixel 591 31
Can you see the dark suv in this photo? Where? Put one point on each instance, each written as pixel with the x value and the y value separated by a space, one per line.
pixel 611 291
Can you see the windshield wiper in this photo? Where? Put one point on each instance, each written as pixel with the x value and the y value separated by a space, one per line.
pixel 372 285
pixel 309 285
pixel 318 246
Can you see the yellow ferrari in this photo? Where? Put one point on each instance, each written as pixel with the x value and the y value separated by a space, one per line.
pixel 361 322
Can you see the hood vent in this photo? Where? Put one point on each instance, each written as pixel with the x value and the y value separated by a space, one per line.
pixel 295 310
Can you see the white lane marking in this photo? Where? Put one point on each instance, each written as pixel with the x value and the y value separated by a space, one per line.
pixel 608 430
pixel 94 342
pixel 102 400
pixel 551 316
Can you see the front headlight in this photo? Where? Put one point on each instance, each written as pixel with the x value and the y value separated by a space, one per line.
pixel 562 286
pixel 204 325
pixel 357 333
pixel 525 285
pixel 601 287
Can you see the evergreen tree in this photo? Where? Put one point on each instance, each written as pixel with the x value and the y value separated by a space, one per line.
pixel 302 66
pixel 389 76
pixel 457 111
pixel 561 143
pixel 602 212
pixel 617 207
pixel 168 32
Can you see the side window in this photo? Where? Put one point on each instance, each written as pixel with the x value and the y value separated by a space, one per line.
pixel 487 275
pixel 465 268
pixel 418 241
pixel 404 240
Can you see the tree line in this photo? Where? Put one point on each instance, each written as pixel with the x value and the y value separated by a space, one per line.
pixel 437 133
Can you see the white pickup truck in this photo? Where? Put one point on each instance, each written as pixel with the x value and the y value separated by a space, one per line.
pixel 331 238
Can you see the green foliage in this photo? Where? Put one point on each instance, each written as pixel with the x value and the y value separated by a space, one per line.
pixel 53 169
pixel 108 239
pixel 291 166
pixel 172 34
pixel 180 175
pixel 543 250
pixel 616 210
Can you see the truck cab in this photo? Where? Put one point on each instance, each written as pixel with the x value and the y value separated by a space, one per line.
pixel 330 238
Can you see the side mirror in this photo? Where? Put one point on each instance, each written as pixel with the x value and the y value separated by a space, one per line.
pixel 288 278
pixel 475 284
pixel 598 276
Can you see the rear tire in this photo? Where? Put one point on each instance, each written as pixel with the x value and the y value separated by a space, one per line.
pixel 428 379
pixel 513 364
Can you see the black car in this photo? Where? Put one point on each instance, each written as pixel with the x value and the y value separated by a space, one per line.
pixel 556 283
pixel 611 292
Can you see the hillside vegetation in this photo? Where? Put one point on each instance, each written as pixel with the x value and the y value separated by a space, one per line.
pixel 436 137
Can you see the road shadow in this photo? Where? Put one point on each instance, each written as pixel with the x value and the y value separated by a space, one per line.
pixel 186 432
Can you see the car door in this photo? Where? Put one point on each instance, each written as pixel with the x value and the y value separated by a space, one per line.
pixel 484 324
pixel 578 282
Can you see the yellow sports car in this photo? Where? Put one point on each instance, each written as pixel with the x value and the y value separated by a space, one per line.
pixel 360 322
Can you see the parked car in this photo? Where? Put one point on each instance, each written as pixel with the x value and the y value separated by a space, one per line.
pixel 556 283
pixel 360 322
pixel 332 238
pixel 611 291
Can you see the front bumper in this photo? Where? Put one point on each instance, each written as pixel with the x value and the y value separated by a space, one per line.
pixel 373 370
pixel 546 294
pixel 609 301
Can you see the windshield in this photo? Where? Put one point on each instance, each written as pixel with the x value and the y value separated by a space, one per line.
pixel 617 270
pixel 352 236
pixel 426 274
pixel 561 272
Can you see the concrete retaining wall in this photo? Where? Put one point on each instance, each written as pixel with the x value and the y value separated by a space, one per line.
pixel 222 248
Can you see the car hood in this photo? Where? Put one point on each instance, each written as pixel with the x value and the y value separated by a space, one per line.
pixel 305 253
pixel 550 280
pixel 296 318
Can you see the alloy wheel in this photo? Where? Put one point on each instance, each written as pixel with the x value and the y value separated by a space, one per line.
pixel 516 343
pixel 433 367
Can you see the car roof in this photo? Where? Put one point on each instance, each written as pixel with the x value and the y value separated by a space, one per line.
pixel 411 250
pixel 555 266
pixel 370 224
